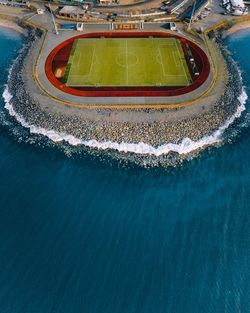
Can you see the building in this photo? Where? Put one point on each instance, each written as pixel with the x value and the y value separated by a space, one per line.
pixel 108 2
pixel 18 4
pixel 238 7
pixel 73 12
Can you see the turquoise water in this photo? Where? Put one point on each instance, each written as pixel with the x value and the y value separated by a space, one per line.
pixel 82 235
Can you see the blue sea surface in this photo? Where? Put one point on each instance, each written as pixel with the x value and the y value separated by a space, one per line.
pixel 80 235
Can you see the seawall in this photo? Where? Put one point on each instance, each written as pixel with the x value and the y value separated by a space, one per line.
pixel 152 127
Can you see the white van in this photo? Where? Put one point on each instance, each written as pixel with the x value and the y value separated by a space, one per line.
pixel 173 26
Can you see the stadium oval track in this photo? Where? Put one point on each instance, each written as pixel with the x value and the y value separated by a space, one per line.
pixel 59 56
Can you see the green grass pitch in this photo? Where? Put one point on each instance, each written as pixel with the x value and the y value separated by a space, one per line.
pixel 127 62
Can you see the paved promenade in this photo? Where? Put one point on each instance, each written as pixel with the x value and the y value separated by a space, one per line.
pixel 205 93
pixel 149 122
pixel 51 40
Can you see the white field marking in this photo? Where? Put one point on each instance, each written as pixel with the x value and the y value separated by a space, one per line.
pixel 85 77
pixel 79 58
pixel 168 44
pixel 75 57
pixel 74 80
pixel 98 84
pixel 127 60
pixel 161 61
pixel 92 59
pixel 71 58
pixel 75 62
pixel 187 80
pixel 174 57
pixel 144 68
pixel 163 45
pixel 126 65
pixel 81 55
pixel 168 76
pixel 162 64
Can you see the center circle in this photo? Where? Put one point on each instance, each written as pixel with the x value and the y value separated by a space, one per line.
pixel 126 59
pixel 56 65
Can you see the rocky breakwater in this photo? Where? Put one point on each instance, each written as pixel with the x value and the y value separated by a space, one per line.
pixel 154 132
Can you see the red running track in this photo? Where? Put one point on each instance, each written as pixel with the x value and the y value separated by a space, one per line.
pixel 59 57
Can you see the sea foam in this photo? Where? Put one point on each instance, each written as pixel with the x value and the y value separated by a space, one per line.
pixel 184 147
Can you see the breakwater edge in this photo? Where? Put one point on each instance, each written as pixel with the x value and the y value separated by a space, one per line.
pixel 179 132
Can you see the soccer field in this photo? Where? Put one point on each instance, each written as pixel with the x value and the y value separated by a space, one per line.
pixel 127 62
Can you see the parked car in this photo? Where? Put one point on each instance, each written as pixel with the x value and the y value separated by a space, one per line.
pixel 40 11
pixel 164 7
pixel 173 26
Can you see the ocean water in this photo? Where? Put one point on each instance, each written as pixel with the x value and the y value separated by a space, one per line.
pixel 84 234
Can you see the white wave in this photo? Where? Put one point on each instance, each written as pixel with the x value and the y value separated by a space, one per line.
pixel 186 146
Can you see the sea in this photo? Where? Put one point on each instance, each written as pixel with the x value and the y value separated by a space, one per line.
pixel 82 233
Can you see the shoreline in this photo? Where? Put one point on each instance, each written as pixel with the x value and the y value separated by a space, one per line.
pixel 130 129
pixel 6 23
pixel 147 126
pixel 237 28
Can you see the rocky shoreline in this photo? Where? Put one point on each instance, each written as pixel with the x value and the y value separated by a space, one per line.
pixel 103 128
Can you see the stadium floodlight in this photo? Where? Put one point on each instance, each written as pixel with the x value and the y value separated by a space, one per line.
pixel 191 18
pixel 53 19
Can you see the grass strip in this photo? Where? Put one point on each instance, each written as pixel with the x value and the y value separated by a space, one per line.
pixel 73 49
pixel 66 73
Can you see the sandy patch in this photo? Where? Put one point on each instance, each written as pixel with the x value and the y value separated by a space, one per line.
pixel 238 27
pixel 12 25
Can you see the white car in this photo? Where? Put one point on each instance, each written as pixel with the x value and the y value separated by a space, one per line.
pixel 40 11
pixel 173 26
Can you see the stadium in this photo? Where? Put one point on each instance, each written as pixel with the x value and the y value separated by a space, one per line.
pixel 127 64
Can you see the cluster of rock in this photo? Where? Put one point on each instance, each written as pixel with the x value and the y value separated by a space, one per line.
pixel 105 128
